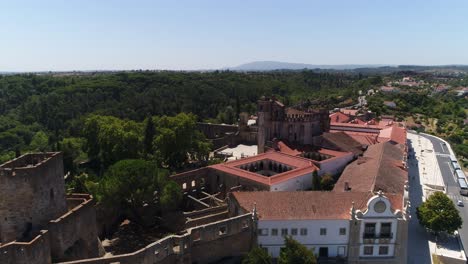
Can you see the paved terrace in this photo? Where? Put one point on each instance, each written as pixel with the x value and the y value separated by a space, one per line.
pixel 424 156
pixel 426 178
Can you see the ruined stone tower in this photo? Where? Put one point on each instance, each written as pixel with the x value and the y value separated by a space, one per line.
pixel 32 192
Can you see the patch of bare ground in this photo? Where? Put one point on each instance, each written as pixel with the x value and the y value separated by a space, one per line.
pixel 131 237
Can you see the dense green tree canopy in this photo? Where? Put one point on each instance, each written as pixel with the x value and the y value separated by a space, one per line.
pixel 257 255
pixel 58 105
pixel 137 186
pixel 178 140
pixel 438 214
pixel 111 139
pixel 295 253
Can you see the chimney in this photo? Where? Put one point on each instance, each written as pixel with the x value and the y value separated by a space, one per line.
pixel 346 186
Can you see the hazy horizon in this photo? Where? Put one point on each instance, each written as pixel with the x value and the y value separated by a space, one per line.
pixel 205 35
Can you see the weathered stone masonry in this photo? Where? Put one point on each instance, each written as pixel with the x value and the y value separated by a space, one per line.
pixel 32 192
pixel 39 223
pixel 201 244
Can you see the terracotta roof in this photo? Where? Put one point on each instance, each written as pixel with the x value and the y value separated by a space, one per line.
pixel 357 121
pixel 302 205
pixel 333 153
pixel 351 125
pixel 340 141
pixel 339 117
pixel 364 139
pixel 301 166
pixel 387 89
pixel 393 133
pixel 380 168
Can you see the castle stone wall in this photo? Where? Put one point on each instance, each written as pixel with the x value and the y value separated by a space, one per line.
pixel 37 251
pixel 32 191
pixel 74 234
pixel 202 244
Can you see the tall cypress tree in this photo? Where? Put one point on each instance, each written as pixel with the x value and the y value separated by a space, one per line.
pixel 315 181
pixel 150 132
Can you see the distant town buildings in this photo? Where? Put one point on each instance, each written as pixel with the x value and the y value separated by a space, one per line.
pixel 389 89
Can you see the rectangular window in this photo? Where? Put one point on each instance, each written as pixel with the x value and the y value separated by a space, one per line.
pixel 274 231
pixel 369 230
pixel 303 231
pixel 342 231
pixel 383 250
pixel 263 232
pixel 222 230
pixel 294 232
pixel 368 250
pixel 323 231
pixel 284 231
pixel 386 230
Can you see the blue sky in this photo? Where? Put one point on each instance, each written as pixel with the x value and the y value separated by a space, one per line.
pixel 207 34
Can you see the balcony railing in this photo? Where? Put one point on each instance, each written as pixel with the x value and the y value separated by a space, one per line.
pixel 378 236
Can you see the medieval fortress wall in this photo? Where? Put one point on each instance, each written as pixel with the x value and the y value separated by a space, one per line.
pixel 40 223
pixel 201 244
pixel 32 192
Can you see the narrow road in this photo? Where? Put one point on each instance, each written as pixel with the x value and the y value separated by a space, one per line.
pixel 450 181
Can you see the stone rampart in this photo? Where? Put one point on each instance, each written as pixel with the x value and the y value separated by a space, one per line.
pixel 202 244
pixel 32 191
pixel 36 251
pixel 74 234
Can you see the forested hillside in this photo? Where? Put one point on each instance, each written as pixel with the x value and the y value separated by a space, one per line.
pixel 48 112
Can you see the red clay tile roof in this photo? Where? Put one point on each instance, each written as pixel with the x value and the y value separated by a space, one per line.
pixel 333 153
pixel 340 141
pixel 351 125
pixel 357 121
pixel 284 147
pixel 393 133
pixel 339 117
pixel 388 88
pixel 364 139
pixel 380 168
pixel 301 166
pixel 361 137
pixel 304 205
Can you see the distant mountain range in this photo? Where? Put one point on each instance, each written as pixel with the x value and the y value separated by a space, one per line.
pixel 368 68
pixel 278 65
